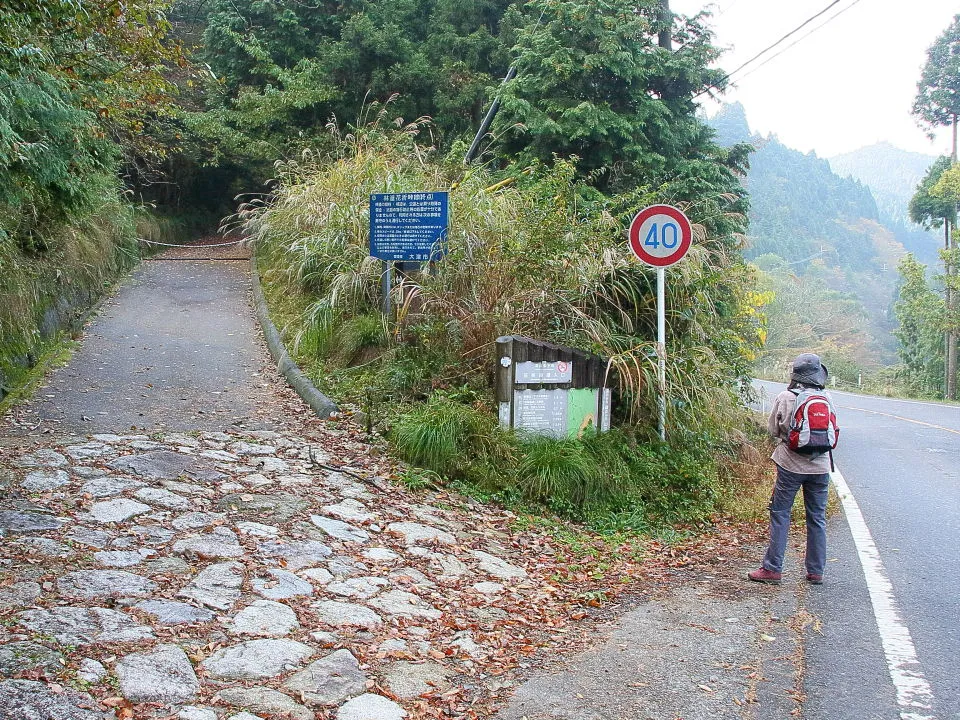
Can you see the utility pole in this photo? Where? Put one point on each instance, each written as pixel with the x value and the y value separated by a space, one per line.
pixel 488 118
pixel 950 244
pixel 948 334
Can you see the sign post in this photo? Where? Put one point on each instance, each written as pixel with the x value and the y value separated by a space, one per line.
pixel 660 235
pixel 386 286
pixel 662 349
pixel 407 227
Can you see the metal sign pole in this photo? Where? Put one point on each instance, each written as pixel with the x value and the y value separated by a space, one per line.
pixel 386 283
pixel 662 350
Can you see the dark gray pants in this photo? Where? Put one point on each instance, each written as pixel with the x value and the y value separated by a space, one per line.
pixel 781 503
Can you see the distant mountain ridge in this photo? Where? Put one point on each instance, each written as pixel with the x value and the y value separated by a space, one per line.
pixel 891 174
pixel 840 226
pixel 800 201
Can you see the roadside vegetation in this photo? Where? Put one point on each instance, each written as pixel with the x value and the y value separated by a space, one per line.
pixel 82 97
pixel 532 250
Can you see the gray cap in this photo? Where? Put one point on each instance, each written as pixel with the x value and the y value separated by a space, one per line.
pixel 808 369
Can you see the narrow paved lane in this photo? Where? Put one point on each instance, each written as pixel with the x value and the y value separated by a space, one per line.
pixel 901 461
pixel 177 348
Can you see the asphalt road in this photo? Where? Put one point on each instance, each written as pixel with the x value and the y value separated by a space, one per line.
pixel 176 349
pixel 901 462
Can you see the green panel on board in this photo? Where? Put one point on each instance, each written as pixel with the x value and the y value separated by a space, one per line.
pixel 581 410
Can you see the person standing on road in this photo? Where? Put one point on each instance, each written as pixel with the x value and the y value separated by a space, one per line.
pixel 796 471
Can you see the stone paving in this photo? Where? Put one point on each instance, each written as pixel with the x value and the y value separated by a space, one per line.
pixel 217 576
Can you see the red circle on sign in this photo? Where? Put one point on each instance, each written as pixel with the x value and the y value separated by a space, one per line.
pixel 660 235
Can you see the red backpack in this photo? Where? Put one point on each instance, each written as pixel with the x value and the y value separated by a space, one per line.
pixel 813 427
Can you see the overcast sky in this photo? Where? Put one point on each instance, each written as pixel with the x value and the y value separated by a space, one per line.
pixel 849 84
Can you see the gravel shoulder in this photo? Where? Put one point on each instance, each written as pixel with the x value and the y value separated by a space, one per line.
pixel 703 643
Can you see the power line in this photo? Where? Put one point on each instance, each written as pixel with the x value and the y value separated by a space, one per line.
pixel 769 47
pixel 792 32
pixel 495 105
pixel 823 251
pixel 727 8
pixel 799 39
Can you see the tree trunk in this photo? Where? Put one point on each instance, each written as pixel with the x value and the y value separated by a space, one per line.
pixel 950 336
pixel 953 155
pixel 947 335
pixel 664 37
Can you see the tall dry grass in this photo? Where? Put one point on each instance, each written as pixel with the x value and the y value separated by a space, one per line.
pixel 534 255
pixel 81 256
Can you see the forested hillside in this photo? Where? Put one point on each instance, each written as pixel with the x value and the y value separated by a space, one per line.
pixel 893 175
pixel 828 252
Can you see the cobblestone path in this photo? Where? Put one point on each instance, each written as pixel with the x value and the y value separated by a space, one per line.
pixel 229 575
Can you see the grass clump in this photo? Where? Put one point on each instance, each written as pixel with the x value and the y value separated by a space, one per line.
pixel 560 472
pixel 577 477
pixel 447 436
pixel 362 338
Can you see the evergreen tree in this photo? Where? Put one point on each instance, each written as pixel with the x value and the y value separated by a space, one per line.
pixel 919 312
pixel 938 93
pixel 933 210
pixel 286 68
pixel 928 209
pixel 593 83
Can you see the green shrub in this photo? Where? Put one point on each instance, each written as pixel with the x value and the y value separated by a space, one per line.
pixel 360 334
pixel 534 254
pixel 408 375
pixel 686 487
pixel 442 435
pixel 611 480
pixel 578 476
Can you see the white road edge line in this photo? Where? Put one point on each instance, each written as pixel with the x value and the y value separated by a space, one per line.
pixel 925 403
pixel 914 694
pixel 905 401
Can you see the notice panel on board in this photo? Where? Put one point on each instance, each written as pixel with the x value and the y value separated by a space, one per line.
pixel 541 411
pixel 606 401
pixel 408 226
pixel 533 373
pixel 539 392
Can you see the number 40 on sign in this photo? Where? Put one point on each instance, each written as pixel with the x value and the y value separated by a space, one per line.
pixel 660 235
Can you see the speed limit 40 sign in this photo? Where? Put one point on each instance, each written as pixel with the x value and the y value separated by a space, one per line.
pixel 660 235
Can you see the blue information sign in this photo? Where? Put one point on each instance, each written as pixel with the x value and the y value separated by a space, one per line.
pixel 408 226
